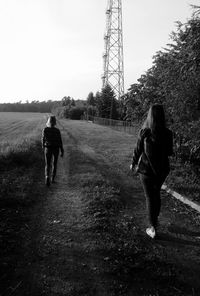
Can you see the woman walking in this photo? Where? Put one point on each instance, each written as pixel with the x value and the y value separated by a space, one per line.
pixel 52 144
pixel 150 159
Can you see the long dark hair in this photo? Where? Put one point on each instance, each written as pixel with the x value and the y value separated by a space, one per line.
pixel 155 120
pixel 51 122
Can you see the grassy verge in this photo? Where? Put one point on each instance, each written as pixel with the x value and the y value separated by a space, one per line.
pixel 20 171
pixel 118 147
pixel 184 178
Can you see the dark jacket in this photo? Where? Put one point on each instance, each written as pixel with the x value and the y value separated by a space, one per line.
pixel 51 138
pixel 151 153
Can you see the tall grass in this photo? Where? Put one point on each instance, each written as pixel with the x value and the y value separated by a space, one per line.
pixel 20 144
pixel 20 151
pixel 19 134
pixel 21 162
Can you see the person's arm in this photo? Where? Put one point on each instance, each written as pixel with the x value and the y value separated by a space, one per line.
pixel 43 138
pixel 137 150
pixel 61 144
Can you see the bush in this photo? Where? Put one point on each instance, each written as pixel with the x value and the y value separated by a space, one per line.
pixel 187 142
pixel 76 112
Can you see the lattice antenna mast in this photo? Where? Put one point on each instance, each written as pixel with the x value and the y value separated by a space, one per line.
pixel 113 60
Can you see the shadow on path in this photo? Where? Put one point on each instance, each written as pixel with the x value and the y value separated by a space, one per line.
pixel 182 230
pixel 165 238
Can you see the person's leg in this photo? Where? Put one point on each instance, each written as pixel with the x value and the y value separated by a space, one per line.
pixel 48 157
pixel 152 202
pixel 157 203
pixel 55 160
pixel 158 186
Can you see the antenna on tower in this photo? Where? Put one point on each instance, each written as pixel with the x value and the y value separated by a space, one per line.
pixel 113 60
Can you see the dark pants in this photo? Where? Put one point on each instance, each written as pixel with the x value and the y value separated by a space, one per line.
pixel 51 158
pixel 152 187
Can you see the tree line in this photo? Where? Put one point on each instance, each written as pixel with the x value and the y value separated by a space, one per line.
pixel 174 81
pixel 33 106
pixel 66 107
pixel 103 104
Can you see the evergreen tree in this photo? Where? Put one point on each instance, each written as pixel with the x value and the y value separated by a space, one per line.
pixel 91 99
pixel 107 103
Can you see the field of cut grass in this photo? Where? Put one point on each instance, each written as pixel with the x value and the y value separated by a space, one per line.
pixel 19 131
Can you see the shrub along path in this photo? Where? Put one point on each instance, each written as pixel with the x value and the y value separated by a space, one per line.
pixel 87 231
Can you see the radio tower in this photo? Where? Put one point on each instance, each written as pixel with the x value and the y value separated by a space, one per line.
pixel 113 64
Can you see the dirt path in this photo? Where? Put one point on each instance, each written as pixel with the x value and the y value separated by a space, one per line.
pixel 88 233
pixel 65 259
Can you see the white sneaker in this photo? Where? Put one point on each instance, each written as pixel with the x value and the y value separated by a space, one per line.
pixel 151 232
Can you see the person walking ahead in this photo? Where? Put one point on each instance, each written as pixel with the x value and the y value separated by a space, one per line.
pixel 52 144
pixel 150 159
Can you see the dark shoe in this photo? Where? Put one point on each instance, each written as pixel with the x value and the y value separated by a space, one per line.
pixel 47 181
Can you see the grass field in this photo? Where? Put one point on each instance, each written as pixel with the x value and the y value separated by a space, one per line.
pixel 18 131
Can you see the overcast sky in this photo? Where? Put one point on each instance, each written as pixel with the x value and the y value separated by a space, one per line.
pixel 53 48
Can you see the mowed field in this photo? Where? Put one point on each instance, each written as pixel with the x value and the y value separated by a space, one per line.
pixel 17 130
pixel 85 234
